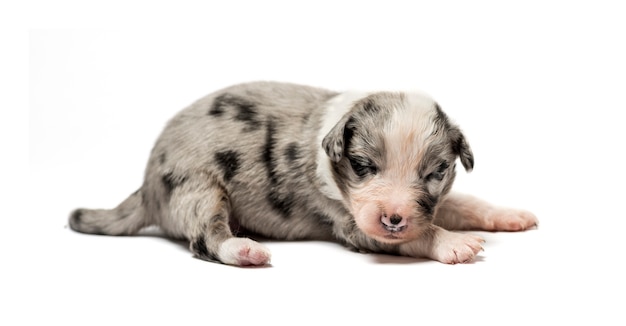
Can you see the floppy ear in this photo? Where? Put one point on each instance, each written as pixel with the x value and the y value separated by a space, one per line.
pixel 462 148
pixel 335 141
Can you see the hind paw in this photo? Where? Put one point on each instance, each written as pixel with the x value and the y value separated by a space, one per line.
pixel 243 252
pixel 507 219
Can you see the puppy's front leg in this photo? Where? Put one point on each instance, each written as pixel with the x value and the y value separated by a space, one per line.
pixel 464 212
pixel 443 245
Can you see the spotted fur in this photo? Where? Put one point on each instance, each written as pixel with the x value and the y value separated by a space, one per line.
pixel 370 170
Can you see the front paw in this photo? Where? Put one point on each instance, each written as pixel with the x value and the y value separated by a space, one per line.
pixel 507 219
pixel 453 248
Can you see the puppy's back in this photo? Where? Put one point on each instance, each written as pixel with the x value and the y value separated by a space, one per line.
pixel 258 140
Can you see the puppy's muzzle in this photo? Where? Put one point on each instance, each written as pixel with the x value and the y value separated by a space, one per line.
pixel 393 223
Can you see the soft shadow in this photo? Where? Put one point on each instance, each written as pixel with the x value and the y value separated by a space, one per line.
pixel 478 259
pixel 377 258
pixel 184 244
pixel 155 232
pixel 402 260
pixel 396 260
pixel 236 266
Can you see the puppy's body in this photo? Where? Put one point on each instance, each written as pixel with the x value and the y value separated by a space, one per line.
pixel 371 170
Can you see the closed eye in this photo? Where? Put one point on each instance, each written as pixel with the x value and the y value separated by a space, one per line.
pixel 440 173
pixel 362 166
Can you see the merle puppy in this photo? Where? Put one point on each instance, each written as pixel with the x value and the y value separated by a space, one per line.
pixel 370 170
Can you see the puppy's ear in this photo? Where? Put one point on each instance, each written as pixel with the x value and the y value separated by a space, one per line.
pixel 459 145
pixel 462 148
pixel 335 141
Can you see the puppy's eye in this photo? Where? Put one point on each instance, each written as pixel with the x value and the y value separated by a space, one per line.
pixel 363 166
pixel 439 173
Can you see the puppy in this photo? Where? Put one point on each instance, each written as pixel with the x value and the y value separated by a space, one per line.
pixel 370 170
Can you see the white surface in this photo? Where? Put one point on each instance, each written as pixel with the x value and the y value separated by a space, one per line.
pixel 537 88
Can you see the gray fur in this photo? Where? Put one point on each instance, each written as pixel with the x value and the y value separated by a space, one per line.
pixel 245 156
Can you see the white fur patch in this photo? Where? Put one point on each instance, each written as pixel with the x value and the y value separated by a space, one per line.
pixel 335 109
pixel 447 247
pixel 406 134
pixel 243 252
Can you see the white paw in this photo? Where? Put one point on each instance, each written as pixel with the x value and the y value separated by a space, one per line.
pixel 453 248
pixel 507 219
pixel 243 252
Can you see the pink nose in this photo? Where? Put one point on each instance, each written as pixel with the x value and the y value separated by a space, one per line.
pixel 393 223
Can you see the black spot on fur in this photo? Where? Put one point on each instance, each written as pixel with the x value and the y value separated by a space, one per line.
pixel 282 201
pixel 229 162
pixel 246 110
pixel 162 158
pixel 323 219
pixel 217 107
pixel 268 152
pixel 171 181
pixel 370 107
pixel 292 152
pixel 168 182
pixel 199 247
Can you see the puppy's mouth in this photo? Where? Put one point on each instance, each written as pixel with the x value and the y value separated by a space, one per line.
pixel 393 233
pixel 393 228
pixel 384 235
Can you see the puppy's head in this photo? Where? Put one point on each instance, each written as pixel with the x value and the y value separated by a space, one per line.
pixel 393 158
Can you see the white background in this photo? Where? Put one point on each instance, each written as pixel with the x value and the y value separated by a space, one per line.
pixel 538 88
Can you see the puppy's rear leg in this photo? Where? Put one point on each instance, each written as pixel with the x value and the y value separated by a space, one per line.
pixel 200 208
pixel 464 212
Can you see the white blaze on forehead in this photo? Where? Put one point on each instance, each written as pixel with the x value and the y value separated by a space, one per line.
pixel 407 132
